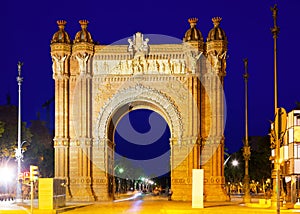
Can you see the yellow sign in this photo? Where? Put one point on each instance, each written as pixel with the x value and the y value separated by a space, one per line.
pixel 46 193
pixel 34 173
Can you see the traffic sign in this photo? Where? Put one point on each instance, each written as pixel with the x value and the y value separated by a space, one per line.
pixel 280 123
pixel 34 173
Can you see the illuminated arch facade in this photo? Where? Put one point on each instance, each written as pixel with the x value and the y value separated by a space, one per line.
pixel 95 85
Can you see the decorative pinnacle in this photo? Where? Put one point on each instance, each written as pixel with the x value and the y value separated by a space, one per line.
pixel 20 64
pixel 274 10
pixel 216 21
pixel 275 29
pixel 83 23
pixel 61 24
pixel 193 21
pixel 246 75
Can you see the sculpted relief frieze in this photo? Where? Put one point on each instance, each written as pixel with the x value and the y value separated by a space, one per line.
pixel 139 66
pixel 138 57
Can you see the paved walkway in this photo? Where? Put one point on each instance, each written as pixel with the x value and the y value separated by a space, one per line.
pixel 149 204
pixel 156 206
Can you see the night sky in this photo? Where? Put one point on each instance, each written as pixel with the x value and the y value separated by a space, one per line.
pixel 28 26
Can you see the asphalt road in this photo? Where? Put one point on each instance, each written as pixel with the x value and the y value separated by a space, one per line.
pixel 156 205
pixel 145 205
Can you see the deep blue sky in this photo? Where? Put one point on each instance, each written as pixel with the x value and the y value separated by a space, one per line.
pixel 28 26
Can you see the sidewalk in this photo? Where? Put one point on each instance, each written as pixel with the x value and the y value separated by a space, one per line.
pixel 25 207
pixel 235 206
pixel 151 204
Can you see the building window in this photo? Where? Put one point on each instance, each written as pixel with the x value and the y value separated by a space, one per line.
pixel 297 120
pixel 296 151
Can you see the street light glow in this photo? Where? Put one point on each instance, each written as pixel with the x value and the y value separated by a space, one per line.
pixel 235 162
pixel 121 170
pixel 6 174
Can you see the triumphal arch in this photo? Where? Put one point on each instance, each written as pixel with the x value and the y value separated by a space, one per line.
pixel 96 85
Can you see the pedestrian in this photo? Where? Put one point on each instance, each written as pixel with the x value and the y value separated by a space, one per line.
pixel 170 193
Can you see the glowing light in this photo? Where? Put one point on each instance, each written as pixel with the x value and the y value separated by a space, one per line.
pixel 135 196
pixel 6 174
pixel 235 162
pixel 121 170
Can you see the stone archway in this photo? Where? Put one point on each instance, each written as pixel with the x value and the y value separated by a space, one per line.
pixel 136 97
pixel 101 83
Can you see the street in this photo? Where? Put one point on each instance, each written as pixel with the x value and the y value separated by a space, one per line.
pixel 151 205
pixel 147 205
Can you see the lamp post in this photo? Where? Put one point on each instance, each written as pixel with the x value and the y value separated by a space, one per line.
pixel 235 164
pixel 276 171
pixel 19 155
pixel 246 150
pixel 118 180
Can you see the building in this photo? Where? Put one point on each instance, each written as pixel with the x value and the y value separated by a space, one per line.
pixel 95 85
pixel 290 157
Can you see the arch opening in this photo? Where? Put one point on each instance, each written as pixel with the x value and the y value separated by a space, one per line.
pixel 142 153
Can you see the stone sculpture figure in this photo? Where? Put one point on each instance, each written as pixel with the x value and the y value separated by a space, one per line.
pixel 58 63
pixel 82 60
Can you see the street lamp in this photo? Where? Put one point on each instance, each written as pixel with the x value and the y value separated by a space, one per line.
pixel 246 150
pixel 121 170
pixel 19 154
pixel 8 174
pixel 118 180
pixel 235 163
pixel 276 171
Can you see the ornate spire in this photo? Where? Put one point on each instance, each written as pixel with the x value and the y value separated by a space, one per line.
pixel 61 24
pixel 216 21
pixel 83 23
pixel 193 22
pixel 217 33
pixel 83 35
pixel 193 34
pixel 61 36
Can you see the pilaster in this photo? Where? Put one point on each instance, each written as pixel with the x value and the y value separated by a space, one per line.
pixel 80 121
pixel 103 169
pixel 185 156
pixel 214 180
pixel 212 115
pixel 80 170
pixel 60 53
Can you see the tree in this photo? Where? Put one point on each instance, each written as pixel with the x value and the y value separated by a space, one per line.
pixel 297 106
pixel 129 170
pixel 259 163
pixel 234 173
pixel 41 150
pixel 260 154
pixel 9 137
pixel 1 128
